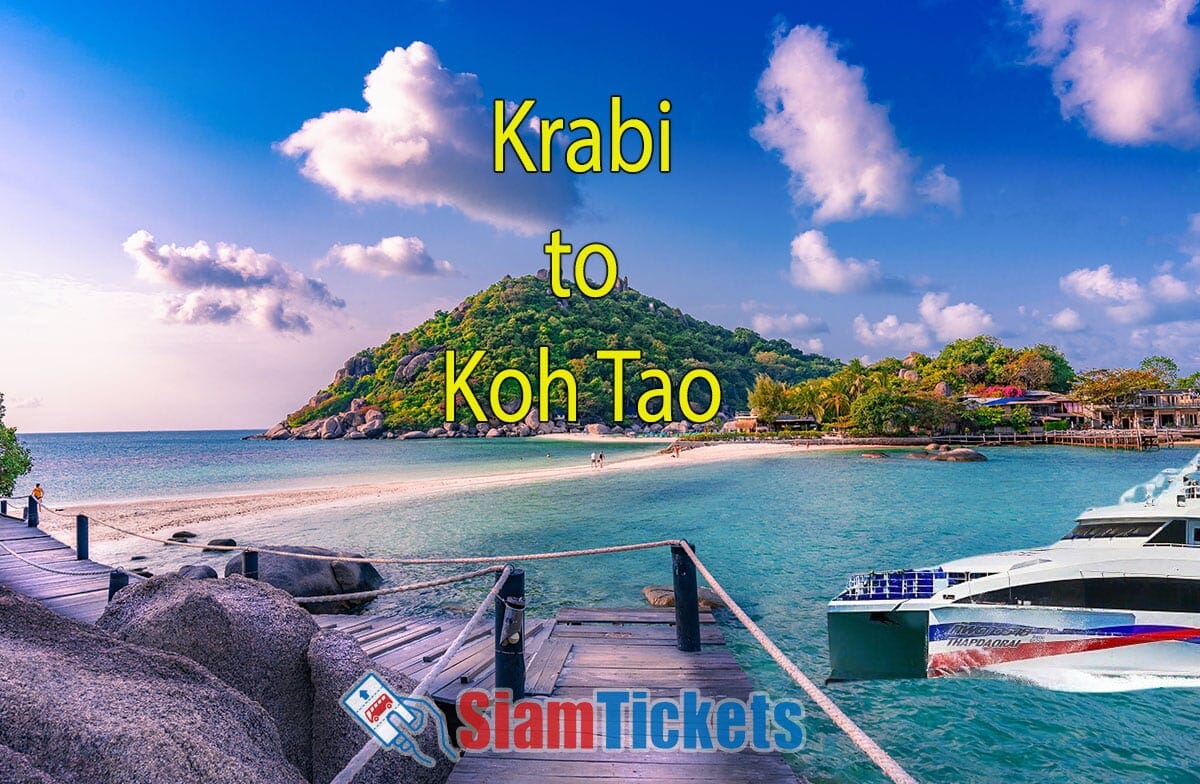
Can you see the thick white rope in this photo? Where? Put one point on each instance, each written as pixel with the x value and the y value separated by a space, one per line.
pixel 359 760
pixel 51 569
pixel 348 597
pixel 889 766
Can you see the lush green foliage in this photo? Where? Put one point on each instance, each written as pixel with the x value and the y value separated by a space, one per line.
pixel 919 394
pixel 1115 387
pixel 15 460
pixel 1163 367
pixel 515 316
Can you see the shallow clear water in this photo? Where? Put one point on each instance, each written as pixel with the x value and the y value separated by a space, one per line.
pixel 781 534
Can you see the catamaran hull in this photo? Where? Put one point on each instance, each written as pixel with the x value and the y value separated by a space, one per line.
pixel 1015 640
pixel 877 645
pixel 880 643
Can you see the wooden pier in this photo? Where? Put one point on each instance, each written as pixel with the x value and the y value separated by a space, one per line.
pixel 1135 440
pixel 633 648
pixel 579 651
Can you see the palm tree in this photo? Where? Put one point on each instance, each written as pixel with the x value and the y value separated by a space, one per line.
pixel 835 395
pixel 805 400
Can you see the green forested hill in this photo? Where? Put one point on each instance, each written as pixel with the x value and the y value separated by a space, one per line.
pixel 405 377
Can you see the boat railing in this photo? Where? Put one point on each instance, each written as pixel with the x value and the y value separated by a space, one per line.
pixel 902 584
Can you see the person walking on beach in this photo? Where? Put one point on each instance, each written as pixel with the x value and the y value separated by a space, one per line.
pixel 38 493
pixel 593 459
pixel 600 460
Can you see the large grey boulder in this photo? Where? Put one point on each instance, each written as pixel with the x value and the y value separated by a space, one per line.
pixel 16 768
pixel 336 663
pixel 250 635
pixel 80 705
pixel 313 577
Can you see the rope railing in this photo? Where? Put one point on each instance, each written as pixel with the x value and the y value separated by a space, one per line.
pixel 361 595
pixel 890 767
pixel 55 570
pixel 359 760
pixel 881 758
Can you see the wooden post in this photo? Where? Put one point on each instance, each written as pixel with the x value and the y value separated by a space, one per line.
pixel 31 513
pixel 250 564
pixel 81 537
pixel 510 635
pixel 3 508
pixel 687 602
pixel 117 579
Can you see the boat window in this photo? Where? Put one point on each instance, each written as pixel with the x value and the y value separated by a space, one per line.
pixel 1107 593
pixel 1112 530
pixel 1174 532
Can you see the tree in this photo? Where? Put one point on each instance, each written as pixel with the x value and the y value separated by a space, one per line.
pixel 1062 375
pixel 805 400
pixel 1190 382
pixel 835 395
pixel 1029 370
pixel 15 460
pixel 767 399
pixel 1163 367
pixel 1114 388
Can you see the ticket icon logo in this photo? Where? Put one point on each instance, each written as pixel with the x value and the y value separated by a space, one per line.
pixel 396 721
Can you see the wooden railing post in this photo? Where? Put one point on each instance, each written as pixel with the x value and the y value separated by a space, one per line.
pixel 250 564
pixel 510 635
pixel 117 579
pixel 687 601
pixel 81 537
pixel 3 508
pixel 31 513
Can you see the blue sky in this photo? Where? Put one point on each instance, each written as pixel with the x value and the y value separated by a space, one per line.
pixel 863 179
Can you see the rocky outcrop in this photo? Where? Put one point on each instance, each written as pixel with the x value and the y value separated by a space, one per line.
pixel 948 455
pixel 314 577
pixel 356 367
pixel 410 364
pixel 78 704
pixel 336 663
pixel 197 572
pixel 664 596
pixel 250 635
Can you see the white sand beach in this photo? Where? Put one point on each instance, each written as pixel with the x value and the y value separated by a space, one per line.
pixel 165 515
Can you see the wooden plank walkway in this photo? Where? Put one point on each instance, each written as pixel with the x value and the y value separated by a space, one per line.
pixel 406 645
pixel 633 649
pixel 79 596
pixel 581 650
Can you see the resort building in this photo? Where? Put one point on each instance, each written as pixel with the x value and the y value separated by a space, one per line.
pixel 1043 406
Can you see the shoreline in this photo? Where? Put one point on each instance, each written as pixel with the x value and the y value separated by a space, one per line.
pixel 155 516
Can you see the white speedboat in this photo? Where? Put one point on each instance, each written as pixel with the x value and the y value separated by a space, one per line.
pixel 1118 595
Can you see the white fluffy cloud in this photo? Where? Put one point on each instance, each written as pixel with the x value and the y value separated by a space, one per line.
pixel 787 324
pixel 1165 297
pixel 1124 298
pixel 891 331
pixel 816 267
pixel 425 138
pixel 840 148
pixel 230 284
pixel 390 256
pixel 1127 68
pixel 951 322
pixel 1066 320
pixel 939 319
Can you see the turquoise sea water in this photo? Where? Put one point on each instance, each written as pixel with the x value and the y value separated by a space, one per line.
pixel 781 533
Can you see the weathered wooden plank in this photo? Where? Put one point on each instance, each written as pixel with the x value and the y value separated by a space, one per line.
pixel 547 665
pixel 657 615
